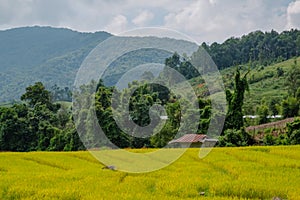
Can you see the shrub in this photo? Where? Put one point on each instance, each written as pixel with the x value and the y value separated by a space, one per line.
pixel 269 139
pixel 293 132
pixel 234 138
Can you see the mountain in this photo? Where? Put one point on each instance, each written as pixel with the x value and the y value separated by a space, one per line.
pixel 50 55
pixel 53 56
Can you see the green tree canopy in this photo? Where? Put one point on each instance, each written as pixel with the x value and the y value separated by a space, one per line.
pixel 37 94
pixel 293 79
pixel 235 101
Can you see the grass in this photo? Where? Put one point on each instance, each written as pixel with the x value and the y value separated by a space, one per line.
pixel 226 173
pixel 264 83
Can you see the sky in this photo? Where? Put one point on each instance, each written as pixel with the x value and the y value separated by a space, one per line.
pixel 203 20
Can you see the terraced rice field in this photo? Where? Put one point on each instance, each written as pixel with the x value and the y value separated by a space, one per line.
pixel 226 173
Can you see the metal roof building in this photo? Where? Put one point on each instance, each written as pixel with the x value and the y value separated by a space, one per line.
pixel 193 140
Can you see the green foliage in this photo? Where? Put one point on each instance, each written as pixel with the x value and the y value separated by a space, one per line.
pixel 235 100
pixel 293 78
pixel 298 94
pixel 256 47
pixel 233 138
pixel 61 94
pixel 280 72
pixel 37 94
pixel 293 132
pixel 205 115
pixel 105 117
pixel 40 125
pixel 289 137
pixel 262 85
pixel 274 107
pixel 182 66
pixel 170 129
pixel 263 112
pixel 15 134
pixel 269 139
pixel 290 107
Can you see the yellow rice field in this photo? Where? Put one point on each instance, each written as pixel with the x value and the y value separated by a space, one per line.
pixel 226 173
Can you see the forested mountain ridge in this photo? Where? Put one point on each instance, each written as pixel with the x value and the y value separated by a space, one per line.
pixel 53 55
pixel 262 48
pixel 50 55
pixel 35 45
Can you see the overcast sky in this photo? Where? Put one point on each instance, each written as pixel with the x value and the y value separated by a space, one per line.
pixel 203 20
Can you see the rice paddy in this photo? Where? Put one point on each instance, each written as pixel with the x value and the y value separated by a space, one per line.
pixel 226 173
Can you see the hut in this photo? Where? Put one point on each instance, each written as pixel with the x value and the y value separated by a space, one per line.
pixel 193 141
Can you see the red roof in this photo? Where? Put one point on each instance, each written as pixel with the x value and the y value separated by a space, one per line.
pixel 189 138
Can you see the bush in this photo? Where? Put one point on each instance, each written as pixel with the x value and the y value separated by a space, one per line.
pixel 290 107
pixel 269 139
pixel 293 132
pixel 235 138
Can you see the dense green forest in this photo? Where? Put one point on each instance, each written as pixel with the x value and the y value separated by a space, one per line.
pixel 256 47
pixel 40 123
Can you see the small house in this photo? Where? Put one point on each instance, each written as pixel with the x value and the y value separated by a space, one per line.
pixel 193 141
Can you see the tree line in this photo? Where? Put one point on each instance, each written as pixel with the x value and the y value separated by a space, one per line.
pixel 260 48
pixel 40 123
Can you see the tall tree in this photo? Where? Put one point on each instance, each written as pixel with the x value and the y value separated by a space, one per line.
pixel 182 65
pixel 235 101
pixel 105 117
pixel 290 107
pixel 293 78
pixel 37 94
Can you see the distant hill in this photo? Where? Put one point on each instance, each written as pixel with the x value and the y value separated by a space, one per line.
pixel 53 56
pixel 50 55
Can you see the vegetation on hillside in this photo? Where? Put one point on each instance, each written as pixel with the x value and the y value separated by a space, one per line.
pixel 256 47
pixel 46 54
pixel 53 55
pixel 39 122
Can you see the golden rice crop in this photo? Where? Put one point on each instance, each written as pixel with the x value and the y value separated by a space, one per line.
pixel 226 173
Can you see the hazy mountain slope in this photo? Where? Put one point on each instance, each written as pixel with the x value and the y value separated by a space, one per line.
pixel 31 46
pixel 50 55
pixel 53 56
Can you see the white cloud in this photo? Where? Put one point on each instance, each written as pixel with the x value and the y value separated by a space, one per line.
pixel 204 20
pixel 117 25
pixel 293 15
pixel 216 20
pixel 142 18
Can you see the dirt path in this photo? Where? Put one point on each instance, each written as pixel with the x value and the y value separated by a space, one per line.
pixel 277 125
